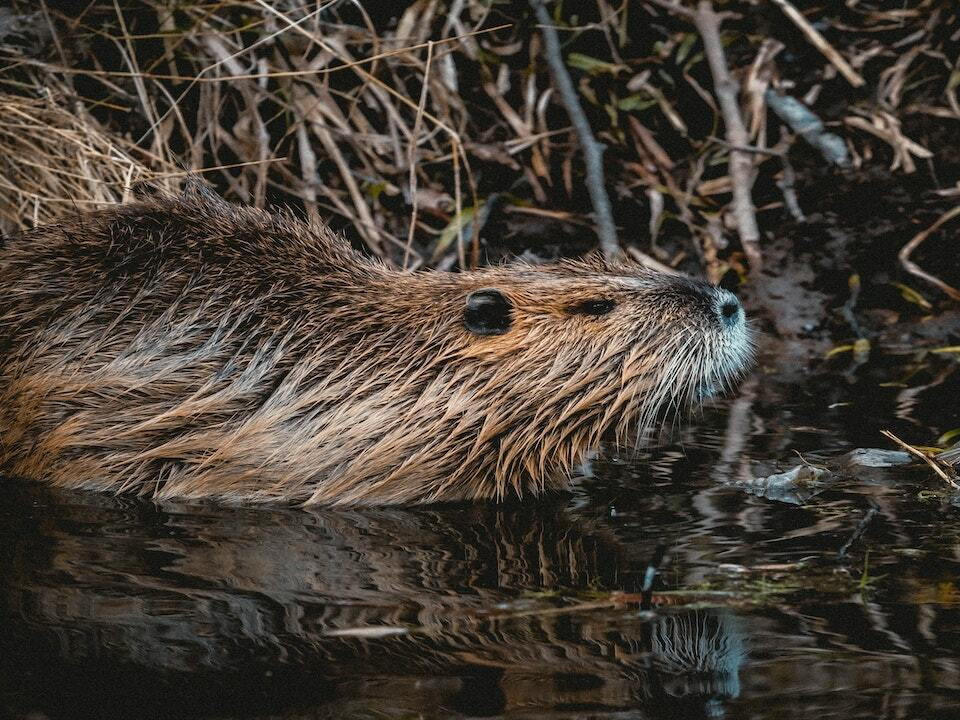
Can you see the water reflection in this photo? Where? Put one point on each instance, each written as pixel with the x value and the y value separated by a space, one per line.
pixel 480 594
pixel 122 608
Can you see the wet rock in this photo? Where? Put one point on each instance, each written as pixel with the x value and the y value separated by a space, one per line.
pixel 872 458
pixel 795 486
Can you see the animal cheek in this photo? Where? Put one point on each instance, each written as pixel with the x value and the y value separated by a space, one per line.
pixel 523 341
pixel 497 349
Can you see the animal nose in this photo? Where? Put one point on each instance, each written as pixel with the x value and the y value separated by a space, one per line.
pixel 728 308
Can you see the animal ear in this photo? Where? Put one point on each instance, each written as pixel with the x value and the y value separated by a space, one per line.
pixel 488 312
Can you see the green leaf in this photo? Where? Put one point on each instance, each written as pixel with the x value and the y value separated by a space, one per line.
pixel 688 41
pixel 694 60
pixel 912 296
pixel 948 437
pixel 374 189
pixel 592 65
pixel 637 101
pixel 450 232
pixel 838 349
pixel 954 81
pixel 861 350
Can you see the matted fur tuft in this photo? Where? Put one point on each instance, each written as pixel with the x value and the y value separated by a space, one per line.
pixel 189 348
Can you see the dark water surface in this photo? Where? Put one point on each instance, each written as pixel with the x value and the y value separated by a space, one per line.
pixel 123 608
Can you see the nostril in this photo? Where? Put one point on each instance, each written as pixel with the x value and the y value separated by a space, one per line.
pixel 729 309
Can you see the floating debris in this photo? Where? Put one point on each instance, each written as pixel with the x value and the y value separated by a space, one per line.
pixel 808 126
pixel 795 486
pixel 367 632
pixel 873 458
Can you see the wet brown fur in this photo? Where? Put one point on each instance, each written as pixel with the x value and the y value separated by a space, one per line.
pixel 188 348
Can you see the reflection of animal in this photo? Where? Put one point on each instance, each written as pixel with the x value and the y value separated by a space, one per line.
pixel 481 597
pixel 185 347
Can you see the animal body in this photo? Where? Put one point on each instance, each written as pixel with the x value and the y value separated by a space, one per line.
pixel 184 347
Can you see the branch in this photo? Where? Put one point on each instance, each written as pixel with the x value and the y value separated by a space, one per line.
pixel 916 452
pixel 914 269
pixel 808 126
pixel 673 7
pixel 858 532
pixel 707 23
pixel 412 154
pixel 592 148
pixel 820 43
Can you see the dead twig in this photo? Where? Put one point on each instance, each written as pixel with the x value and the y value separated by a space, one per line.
pixel 412 153
pixel 914 269
pixel 652 263
pixel 857 533
pixel 887 127
pixel 788 186
pixel 674 7
pixel 820 43
pixel 707 22
pixel 940 470
pixel 592 148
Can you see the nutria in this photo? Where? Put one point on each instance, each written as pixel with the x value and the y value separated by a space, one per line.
pixel 184 347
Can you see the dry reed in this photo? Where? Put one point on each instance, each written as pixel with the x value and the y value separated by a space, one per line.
pixel 432 131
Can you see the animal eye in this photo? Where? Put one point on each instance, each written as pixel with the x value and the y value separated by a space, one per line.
pixel 593 307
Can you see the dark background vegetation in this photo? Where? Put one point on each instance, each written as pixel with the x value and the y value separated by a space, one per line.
pixel 367 115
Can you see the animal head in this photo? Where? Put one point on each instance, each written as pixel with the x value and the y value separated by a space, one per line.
pixel 653 341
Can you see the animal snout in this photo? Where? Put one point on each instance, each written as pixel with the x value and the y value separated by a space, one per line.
pixel 728 308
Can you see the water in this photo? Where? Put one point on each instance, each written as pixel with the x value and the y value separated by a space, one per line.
pixel 123 608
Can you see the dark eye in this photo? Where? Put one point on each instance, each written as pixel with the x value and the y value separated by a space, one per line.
pixel 593 307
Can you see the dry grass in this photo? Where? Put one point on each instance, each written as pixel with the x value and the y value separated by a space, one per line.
pixel 55 158
pixel 430 132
